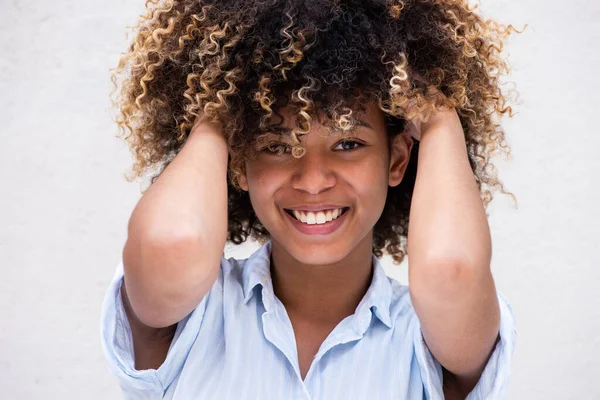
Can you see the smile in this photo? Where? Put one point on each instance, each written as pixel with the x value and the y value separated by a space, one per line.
pixel 334 218
pixel 318 217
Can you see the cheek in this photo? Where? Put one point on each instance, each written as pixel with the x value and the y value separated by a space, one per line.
pixel 369 180
pixel 370 173
pixel 263 182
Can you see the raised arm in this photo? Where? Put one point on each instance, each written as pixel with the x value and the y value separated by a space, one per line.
pixel 449 248
pixel 177 232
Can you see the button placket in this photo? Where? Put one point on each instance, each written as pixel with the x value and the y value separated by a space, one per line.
pixel 278 330
pixel 343 333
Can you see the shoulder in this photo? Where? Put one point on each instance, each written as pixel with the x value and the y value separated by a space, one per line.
pixel 492 382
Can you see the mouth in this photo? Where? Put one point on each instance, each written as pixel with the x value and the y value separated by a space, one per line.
pixel 317 217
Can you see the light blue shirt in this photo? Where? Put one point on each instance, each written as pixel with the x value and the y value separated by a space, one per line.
pixel 239 344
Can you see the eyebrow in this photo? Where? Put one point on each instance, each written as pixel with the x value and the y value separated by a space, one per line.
pixel 360 122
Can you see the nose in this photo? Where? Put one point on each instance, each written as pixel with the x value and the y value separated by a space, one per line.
pixel 313 173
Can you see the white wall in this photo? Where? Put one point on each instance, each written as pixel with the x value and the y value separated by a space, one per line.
pixel 64 204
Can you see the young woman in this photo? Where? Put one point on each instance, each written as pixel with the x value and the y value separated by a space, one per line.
pixel 332 132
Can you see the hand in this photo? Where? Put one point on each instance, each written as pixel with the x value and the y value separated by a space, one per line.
pixel 203 124
pixel 415 126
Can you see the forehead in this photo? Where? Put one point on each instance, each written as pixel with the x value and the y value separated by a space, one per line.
pixel 368 115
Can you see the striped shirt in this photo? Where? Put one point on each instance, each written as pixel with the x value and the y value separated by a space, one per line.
pixel 238 343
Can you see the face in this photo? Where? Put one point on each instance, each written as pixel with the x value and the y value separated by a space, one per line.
pixel 321 206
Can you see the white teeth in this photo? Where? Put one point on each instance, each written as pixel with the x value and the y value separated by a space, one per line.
pixel 297 215
pixel 320 217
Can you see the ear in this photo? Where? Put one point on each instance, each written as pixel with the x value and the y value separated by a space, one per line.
pixel 400 150
pixel 243 181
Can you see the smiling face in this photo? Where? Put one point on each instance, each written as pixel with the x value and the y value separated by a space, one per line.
pixel 319 207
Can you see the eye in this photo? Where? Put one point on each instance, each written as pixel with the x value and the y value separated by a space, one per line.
pixel 278 148
pixel 349 145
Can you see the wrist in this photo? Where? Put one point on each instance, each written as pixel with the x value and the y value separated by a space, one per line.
pixel 447 118
pixel 204 136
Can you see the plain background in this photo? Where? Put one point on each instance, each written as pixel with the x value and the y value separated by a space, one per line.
pixel 64 204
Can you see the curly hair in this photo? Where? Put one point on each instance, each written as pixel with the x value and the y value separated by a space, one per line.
pixel 241 61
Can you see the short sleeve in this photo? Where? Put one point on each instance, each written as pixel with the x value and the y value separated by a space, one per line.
pixel 117 344
pixel 493 383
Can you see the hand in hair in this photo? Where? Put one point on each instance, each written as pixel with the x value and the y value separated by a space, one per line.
pixel 425 117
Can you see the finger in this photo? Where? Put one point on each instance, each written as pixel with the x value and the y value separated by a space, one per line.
pixel 413 130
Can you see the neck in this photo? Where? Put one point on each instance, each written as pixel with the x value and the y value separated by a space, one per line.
pixel 322 294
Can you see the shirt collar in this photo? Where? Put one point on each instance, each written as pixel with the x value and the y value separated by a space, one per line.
pixel 377 299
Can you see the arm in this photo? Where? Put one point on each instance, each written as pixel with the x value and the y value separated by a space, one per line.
pixel 150 345
pixel 451 285
pixel 177 232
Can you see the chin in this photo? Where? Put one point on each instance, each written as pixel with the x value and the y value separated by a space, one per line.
pixel 315 252
pixel 319 258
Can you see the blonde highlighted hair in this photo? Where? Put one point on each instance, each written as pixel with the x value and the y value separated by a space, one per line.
pixel 241 61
